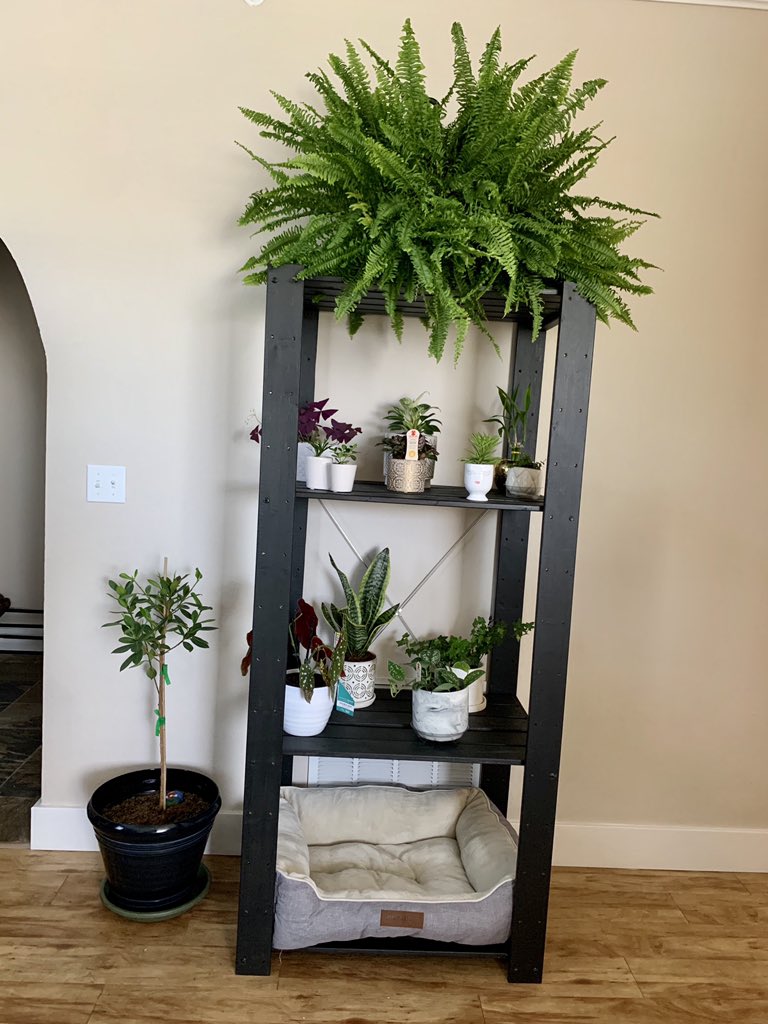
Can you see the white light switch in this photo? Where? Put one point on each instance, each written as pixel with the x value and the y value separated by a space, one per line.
pixel 106 483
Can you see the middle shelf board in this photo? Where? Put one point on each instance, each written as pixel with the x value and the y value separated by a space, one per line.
pixel 438 495
pixel 496 735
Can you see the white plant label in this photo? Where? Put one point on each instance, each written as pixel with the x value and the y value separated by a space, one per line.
pixel 412 446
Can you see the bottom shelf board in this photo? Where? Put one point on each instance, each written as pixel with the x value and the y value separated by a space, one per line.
pixel 406 946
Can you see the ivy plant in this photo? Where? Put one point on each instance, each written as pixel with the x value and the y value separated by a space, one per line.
pixel 444 200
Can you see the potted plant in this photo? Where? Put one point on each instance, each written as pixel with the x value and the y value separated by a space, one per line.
pixel 310 681
pixel 442 200
pixel 485 634
pixel 517 474
pixel 479 462
pixel 360 622
pixel 152 825
pixel 315 437
pixel 343 467
pixel 410 414
pixel 440 701
pixel 317 466
pixel 409 461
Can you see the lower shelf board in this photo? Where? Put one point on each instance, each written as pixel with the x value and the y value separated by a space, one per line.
pixel 406 946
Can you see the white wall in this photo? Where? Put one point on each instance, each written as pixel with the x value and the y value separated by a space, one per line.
pixel 119 202
pixel 22 442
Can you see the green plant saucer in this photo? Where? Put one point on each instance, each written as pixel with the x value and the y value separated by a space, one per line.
pixel 202 885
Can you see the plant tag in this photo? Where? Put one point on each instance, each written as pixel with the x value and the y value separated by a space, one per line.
pixel 401 919
pixel 344 700
pixel 412 446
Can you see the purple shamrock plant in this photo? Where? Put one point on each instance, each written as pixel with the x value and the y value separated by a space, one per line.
pixel 321 435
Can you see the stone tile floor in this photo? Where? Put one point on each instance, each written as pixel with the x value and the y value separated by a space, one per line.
pixel 21 692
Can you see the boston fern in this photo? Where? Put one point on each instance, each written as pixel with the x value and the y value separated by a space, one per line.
pixel 444 200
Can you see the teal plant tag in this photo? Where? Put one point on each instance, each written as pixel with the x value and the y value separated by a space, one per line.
pixel 344 700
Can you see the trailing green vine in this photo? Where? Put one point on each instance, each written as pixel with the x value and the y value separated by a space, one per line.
pixel 445 200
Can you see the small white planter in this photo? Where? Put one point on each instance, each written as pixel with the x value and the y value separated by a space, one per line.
pixel 301 718
pixel 440 717
pixel 360 680
pixel 475 690
pixel 303 452
pixel 478 479
pixel 318 472
pixel 343 476
pixel 523 482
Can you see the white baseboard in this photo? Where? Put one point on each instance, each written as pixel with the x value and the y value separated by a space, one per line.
pixel 662 847
pixel 576 845
pixel 68 828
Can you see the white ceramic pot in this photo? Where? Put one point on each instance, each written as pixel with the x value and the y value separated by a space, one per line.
pixel 440 717
pixel 478 479
pixel 476 690
pixel 523 482
pixel 303 452
pixel 301 718
pixel 343 476
pixel 318 472
pixel 360 680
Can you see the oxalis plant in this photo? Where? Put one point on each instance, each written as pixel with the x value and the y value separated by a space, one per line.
pixel 442 199
pixel 164 613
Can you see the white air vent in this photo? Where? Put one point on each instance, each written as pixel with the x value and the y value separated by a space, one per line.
pixel 354 771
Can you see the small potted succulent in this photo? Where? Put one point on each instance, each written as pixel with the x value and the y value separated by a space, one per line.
pixel 410 414
pixel 440 701
pixel 517 473
pixel 479 462
pixel 152 825
pixel 343 467
pixel 360 622
pixel 310 683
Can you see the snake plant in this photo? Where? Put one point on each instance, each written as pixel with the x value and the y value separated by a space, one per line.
pixel 362 619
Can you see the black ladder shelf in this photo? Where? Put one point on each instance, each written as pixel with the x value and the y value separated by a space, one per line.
pixel 505 733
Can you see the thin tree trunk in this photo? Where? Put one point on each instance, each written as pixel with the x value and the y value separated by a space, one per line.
pixel 161 712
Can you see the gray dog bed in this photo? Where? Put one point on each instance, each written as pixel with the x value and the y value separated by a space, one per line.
pixel 382 861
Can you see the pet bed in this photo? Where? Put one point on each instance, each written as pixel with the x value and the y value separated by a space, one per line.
pixel 384 861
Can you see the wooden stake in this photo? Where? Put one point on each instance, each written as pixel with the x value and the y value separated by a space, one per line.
pixel 161 710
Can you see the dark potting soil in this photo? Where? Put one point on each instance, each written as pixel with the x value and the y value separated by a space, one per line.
pixel 144 809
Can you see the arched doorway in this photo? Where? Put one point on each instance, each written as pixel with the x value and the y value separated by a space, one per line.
pixel 23 389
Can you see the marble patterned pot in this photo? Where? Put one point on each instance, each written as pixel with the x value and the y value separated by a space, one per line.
pixel 523 482
pixel 440 717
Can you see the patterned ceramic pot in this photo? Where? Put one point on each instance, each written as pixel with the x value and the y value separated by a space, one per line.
pixel 406 476
pixel 523 482
pixel 360 680
pixel 440 717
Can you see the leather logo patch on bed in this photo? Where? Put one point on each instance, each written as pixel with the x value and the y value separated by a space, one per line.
pixel 401 919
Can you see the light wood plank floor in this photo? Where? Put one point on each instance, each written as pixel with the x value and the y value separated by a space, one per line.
pixel 625 947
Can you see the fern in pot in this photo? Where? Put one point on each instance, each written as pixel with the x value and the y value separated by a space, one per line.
pixel 442 200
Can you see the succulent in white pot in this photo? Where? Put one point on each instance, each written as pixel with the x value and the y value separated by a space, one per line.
pixel 479 462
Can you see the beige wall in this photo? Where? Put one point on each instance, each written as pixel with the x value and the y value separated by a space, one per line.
pixel 22 442
pixel 121 186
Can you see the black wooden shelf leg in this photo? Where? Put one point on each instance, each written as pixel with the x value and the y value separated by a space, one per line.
pixel 551 637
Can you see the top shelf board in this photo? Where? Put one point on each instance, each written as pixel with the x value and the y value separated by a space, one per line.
pixel 321 292
pixel 450 497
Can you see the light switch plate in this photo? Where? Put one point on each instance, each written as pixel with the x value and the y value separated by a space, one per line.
pixel 106 483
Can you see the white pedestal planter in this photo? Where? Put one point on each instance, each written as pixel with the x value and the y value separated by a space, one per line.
pixel 478 479
pixel 523 482
pixel 360 680
pixel 441 717
pixel 301 718
pixel 343 476
pixel 303 451
pixel 318 472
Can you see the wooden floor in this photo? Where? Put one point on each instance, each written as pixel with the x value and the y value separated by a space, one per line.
pixel 626 947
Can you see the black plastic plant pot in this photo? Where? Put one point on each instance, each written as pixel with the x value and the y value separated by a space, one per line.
pixel 153 871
